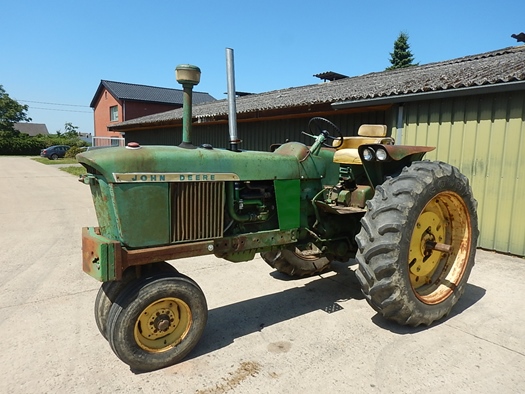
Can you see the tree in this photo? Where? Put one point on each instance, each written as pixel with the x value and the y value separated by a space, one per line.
pixel 11 112
pixel 401 57
pixel 70 130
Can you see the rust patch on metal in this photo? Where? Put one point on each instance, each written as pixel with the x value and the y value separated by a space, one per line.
pixel 101 257
pixel 440 247
pixel 162 253
pixel 258 241
pixel 297 150
pixel 89 255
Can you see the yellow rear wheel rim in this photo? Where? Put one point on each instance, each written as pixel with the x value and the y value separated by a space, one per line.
pixel 434 275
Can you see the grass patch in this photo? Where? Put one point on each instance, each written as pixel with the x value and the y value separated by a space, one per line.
pixel 46 161
pixel 74 170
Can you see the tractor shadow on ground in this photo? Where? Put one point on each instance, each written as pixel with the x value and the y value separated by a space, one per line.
pixel 470 297
pixel 226 323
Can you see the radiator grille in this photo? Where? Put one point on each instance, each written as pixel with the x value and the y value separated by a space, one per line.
pixel 197 211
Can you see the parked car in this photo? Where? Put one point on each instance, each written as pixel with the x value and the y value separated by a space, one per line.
pixel 54 152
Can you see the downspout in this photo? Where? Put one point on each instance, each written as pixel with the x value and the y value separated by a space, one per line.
pixel 400 123
pixel 123 118
pixel 94 128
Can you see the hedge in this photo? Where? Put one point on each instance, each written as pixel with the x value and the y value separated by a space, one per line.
pixel 24 145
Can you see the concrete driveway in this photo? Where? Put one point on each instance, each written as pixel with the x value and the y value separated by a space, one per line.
pixel 265 334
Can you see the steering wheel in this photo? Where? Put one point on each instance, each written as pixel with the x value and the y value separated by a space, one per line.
pixel 317 126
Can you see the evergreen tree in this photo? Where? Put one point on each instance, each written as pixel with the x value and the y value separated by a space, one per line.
pixel 401 57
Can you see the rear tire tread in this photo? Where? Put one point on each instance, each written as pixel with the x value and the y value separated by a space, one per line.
pixel 287 262
pixel 383 240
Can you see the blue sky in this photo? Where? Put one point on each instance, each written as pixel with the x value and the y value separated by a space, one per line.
pixel 58 51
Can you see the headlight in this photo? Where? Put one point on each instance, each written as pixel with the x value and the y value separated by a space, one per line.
pixel 368 154
pixel 381 154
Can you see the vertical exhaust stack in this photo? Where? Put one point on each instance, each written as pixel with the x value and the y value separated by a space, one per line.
pixel 232 110
pixel 188 76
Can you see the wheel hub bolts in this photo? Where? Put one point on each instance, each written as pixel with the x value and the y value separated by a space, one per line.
pixel 162 322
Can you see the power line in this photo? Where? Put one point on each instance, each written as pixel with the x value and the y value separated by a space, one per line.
pixel 63 110
pixel 65 105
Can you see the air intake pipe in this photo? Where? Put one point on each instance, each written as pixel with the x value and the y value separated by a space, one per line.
pixel 188 76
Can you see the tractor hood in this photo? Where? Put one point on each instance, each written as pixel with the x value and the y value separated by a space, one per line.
pixel 172 163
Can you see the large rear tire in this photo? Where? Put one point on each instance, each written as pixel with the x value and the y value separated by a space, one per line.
pixel 417 244
pixel 296 262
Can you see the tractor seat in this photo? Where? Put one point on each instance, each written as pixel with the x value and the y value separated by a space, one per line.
pixel 367 134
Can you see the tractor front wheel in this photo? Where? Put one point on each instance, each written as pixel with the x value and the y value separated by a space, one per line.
pixel 417 243
pixel 297 261
pixel 109 291
pixel 157 321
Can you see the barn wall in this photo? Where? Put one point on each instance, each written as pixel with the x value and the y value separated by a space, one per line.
pixel 484 137
pixel 255 135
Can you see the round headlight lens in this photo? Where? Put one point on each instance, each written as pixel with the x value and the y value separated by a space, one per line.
pixel 368 154
pixel 381 154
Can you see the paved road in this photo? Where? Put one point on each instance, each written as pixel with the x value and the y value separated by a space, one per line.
pixel 264 334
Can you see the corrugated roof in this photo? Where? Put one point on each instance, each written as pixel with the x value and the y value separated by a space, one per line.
pixel 491 68
pixel 131 91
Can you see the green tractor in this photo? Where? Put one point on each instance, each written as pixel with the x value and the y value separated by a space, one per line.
pixel 410 224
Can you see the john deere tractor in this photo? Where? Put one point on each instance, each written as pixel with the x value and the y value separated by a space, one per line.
pixel 410 224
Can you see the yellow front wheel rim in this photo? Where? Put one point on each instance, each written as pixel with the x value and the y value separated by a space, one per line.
pixel 163 324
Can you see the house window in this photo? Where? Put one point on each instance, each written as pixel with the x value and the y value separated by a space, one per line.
pixel 113 113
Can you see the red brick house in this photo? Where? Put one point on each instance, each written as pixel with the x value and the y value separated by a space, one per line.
pixel 116 102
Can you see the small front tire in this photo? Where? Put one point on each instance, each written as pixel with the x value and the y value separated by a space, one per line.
pixel 157 321
pixel 109 291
